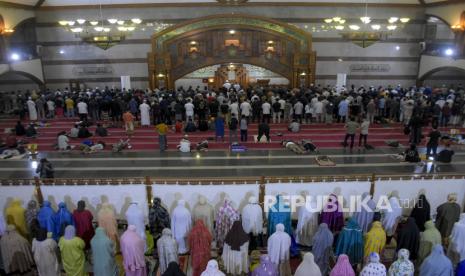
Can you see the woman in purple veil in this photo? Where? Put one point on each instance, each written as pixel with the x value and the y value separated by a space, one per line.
pixel 332 214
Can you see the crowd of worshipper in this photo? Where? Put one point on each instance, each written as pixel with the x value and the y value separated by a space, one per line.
pixel 233 242
pixel 190 110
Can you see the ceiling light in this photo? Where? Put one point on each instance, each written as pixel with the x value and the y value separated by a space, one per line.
pixel 397 47
pixel 303 74
pixel 112 20
pixel 328 20
pixel 131 28
pixel 15 56
pixel 120 22
pixel 393 20
pixel 107 30
pixel 449 52
pixel 340 60
pixel 354 27
pixel 81 21
pixel 270 42
pixel 63 22
pixel 76 30
pixel 123 29
pixel 391 27
pixel 136 20
pixel 342 21
pixel 71 23
pixel 232 32
pixel 365 19
pixel 339 27
pixel 62 52
pixel 404 19
pixel 337 18
pixel 98 29
pixel 93 23
pixel 376 27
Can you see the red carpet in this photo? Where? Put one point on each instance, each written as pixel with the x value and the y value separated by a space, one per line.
pixel 145 138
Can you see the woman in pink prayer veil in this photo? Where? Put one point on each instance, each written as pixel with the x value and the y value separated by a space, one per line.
pixel 133 248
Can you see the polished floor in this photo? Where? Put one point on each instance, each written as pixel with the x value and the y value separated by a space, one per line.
pixel 174 164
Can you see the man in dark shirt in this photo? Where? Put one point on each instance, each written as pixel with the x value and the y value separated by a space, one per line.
pixel 445 156
pixel 233 129
pixel 433 141
pixel 263 129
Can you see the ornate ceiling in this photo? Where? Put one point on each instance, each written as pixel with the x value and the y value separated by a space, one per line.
pixel 282 2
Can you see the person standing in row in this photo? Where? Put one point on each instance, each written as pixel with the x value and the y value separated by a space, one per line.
pixel 351 128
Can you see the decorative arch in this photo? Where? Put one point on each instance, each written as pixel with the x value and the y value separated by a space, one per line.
pixel 438 69
pixel 291 57
pixel 35 79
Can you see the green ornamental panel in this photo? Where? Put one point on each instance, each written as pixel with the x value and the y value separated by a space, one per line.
pixel 246 21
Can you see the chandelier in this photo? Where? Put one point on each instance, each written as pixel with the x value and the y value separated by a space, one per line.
pixel 107 32
pixel 366 32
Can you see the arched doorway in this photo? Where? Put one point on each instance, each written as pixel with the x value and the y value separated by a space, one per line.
pixel 448 76
pixel 12 81
pixel 245 75
pixel 231 38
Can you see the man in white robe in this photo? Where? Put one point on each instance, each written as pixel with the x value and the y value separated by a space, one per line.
pixel 204 211
pixel 279 245
pixel 307 223
pixel 181 224
pixel 135 216
pixel 144 114
pixel 31 108
pixel 252 221
pixel 167 249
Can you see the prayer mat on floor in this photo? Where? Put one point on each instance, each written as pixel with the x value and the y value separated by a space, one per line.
pixel 324 160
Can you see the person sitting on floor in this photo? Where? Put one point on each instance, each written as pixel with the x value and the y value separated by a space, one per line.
pixel 84 132
pixel 31 131
pixel 63 141
pixel 101 131
pixel 185 144
pixel 308 145
pixel 11 141
pixel 74 132
pixel 294 147
pixel 411 154
pixel 202 146
pixel 190 127
pixel 86 148
pixel 445 156
pixel 294 126
pixel 19 129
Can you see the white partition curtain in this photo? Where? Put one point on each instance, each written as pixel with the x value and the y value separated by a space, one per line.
pixel 342 188
pixel 215 194
pixel 436 191
pixel 120 196
pixel 8 193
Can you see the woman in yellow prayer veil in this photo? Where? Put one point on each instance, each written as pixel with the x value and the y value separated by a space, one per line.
pixel 15 215
pixel 375 239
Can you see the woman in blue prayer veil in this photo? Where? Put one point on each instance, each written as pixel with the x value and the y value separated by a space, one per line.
pixel 46 217
pixel 350 242
pixel 280 212
pixel 62 219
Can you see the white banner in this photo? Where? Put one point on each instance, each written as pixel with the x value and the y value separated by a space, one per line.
pixel 126 82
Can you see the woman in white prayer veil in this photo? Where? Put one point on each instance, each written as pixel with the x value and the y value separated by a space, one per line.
pixel 212 269
pixel 307 223
pixel 135 216
pixel 181 224
pixel 391 218
pixel 456 249
pixel 167 249
pixel 252 221
pixel 308 266
pixel 279 245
